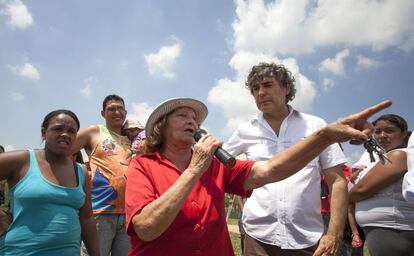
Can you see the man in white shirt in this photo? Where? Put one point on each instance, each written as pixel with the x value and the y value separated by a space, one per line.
pixel 408 182
pixel 284 218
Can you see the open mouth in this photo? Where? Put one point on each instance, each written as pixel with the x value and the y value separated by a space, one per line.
pixel 189 130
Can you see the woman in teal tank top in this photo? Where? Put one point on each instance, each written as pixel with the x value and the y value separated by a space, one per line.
pixel 50 199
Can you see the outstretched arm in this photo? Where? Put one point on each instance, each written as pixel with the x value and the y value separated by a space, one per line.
pixel 286 163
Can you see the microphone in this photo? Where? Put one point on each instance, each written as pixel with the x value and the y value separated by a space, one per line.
pixel 228 160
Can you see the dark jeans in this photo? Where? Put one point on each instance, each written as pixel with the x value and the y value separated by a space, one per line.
pixel 387 241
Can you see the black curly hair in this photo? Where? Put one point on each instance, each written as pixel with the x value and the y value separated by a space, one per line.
pixel 278 71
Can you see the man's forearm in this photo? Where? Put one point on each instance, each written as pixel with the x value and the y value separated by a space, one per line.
pixel 339 203
pixel 286 163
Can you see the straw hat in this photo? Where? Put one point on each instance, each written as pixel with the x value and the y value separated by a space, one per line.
pixel 170 105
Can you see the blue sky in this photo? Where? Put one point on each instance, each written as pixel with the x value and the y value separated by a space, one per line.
pixel 345 55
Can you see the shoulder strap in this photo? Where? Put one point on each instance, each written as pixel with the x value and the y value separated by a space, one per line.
pixel 80 177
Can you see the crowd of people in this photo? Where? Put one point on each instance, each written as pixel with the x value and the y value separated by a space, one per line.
pixel 154 190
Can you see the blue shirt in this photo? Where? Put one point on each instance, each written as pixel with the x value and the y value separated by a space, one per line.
pixel 45 215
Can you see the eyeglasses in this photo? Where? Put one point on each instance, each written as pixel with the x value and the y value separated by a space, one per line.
pixel 115 108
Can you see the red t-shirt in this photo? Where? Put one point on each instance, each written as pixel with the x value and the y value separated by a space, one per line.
pixel 326 198
pixel 200 227
pixel 325 201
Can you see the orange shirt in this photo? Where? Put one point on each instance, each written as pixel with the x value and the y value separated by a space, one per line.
pixel 109 163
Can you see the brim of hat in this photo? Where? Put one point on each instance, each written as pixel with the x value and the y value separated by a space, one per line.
pixel 170 105
pixel 129 124
pixel 141 127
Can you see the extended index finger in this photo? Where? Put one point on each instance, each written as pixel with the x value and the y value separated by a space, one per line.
pixel 368 112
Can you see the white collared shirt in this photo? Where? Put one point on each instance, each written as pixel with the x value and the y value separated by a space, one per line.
pixel 408 182
pixel 285 213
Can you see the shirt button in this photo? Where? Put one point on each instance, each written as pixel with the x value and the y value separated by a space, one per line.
pixel 194 204
pixel 197 252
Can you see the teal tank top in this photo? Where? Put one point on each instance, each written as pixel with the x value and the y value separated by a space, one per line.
pixel 45 216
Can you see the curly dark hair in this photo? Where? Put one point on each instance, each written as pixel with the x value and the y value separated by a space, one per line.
pixel 279 72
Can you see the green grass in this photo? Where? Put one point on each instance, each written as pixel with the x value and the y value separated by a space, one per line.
pixel 231 221
pixel 366 252
pixel 235 241
pixel 235 238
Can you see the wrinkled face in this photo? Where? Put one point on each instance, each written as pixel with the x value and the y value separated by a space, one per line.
pixel 60 134
pixel 114 113
pixel 388 135
pixel 269 94
pixel 180 127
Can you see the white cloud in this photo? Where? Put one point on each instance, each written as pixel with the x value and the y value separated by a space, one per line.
pixel 327 84
pixel 91 80
pixel 17 96
pixel 305 94
pixel 89 83
pixel 140 111
pixel 9 148
pixel 27 70
pixel 87 90
pixel 299 26
pixel 162 62
pixel 235 100
pixel 335 65
pixel 242 62
pixel 265 30
pixel 19 15
pixel 367 63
